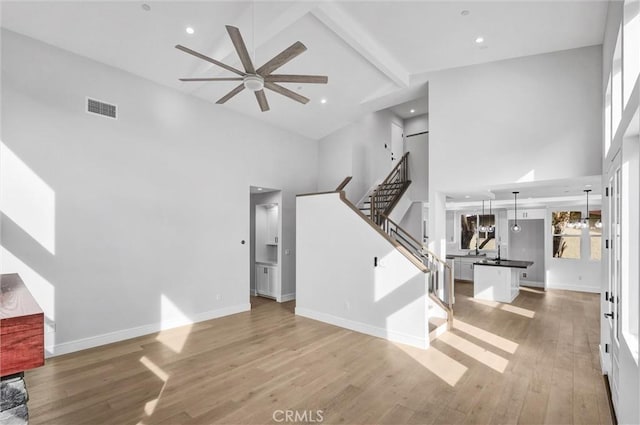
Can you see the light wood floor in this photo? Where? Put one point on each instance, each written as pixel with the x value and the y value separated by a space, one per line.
pixel 535 361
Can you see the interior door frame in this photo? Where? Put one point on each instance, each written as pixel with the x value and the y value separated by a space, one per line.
pixel 396 151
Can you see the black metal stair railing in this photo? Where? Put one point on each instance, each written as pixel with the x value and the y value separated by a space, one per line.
pixel 388 193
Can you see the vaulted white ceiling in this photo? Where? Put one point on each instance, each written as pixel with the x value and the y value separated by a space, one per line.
pixel 369 49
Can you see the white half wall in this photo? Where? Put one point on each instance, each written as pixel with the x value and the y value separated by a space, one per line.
pixel 149 210
pixel 338 283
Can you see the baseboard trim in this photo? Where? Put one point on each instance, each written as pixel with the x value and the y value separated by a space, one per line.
pixel 532 284
pixel 576 288
pixel 111 337
pixel 288 297
pixel 364 328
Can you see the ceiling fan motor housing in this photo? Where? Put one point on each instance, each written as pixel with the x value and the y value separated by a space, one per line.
pixel 253 82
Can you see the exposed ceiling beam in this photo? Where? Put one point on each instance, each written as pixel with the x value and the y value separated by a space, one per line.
pixel 345 27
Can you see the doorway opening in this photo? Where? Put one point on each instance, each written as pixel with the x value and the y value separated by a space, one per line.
pixel 265 260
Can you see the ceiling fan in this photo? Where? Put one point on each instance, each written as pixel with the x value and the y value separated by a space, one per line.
pixel 256 80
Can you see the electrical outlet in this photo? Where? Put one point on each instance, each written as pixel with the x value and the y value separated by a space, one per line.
pixel 287 252
pixel 524 275
pixel 347 305
pixel 218 297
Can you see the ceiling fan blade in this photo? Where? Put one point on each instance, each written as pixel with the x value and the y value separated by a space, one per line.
pixel 208 59
pixel 311 79
pixel 238 43
pixel 229 95
pixel 283 57
pixel 262 100
pixel 286 92
pixel 212 79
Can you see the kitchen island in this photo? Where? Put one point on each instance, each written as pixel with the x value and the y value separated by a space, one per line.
pixel 497 280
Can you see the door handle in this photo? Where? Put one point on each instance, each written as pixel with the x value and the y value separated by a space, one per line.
pixel 609 315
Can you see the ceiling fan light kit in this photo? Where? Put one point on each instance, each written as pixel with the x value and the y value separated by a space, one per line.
pixel 256 80
pixel 253 82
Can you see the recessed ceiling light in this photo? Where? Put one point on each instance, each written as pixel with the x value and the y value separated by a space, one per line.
pixel 323 100
pixel 588 186
pixel 146 7
pixel 259 189
pixel 467 196
pixel 465 12
pixel 412 111
pixel 480 40
pixel 190 30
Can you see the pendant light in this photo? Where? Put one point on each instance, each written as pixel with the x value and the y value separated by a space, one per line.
pixel 515 228
pixel 482 228
pixel 584 223
pixel 491 227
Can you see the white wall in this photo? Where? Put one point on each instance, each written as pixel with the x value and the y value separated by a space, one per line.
pixel 418 148
pixel 529 245
pixel 337 282
pixel 148 210
pixel 417 124
pixel 357 150
pixel 412 220
pixel 494 123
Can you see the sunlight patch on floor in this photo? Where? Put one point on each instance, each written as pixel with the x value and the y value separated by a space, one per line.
pixel 486 336
pixel 476 352
pixel 532 290
pixel 506 307
pixel 436 362
pixel 151 405
pixel 154 368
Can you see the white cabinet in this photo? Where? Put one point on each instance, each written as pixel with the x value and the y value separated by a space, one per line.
pixel 463 268
pixel 466 268
pixel 527 214
pixel 266 280
pixel 272 225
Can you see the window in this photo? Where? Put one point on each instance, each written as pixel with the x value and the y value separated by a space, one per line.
pixel 468 231
pixel 566 236
pixel 487 232
pixel 478 231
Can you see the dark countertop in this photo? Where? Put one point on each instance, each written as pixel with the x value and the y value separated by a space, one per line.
pixel 452 256
pixel 519 264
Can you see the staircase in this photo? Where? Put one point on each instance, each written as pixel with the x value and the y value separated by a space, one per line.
pixel 440 279
pixel 376 207
pixel 380 200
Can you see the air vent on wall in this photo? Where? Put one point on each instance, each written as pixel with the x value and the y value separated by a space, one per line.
pixel 101 108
